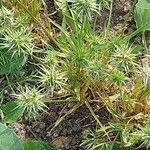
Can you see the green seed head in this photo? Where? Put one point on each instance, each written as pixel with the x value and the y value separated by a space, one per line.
pixel 31 102
pixel 52 78
pixel 118 77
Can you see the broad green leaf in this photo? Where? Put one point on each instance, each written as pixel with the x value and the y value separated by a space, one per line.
pixel 142 14
pixel 8 139
pixel 11 112
pixel 9 63
pixel 37 145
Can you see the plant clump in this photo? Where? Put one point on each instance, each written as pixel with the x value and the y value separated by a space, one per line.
pixel 71 63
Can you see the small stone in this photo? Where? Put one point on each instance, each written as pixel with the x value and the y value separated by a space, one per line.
pixel 38 130
pixel 42 125
pixel 62 141
pixel 55 135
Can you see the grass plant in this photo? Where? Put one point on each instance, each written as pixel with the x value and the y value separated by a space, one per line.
pixel 75 64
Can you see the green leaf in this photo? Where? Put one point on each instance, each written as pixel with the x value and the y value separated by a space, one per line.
pixel 37 145
pixel 11 112
pixel 142 14
pixel 9 63
pixel 8 139
pixel 47 147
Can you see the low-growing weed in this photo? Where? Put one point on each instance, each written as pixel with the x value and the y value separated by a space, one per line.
pixel 74 64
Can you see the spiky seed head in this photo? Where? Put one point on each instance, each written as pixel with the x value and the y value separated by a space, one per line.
pixel 30 101
pixel 118 77
pixel 18 41
pixel 52 78
pixel 85 7
pixel 124 57
pixel 6 17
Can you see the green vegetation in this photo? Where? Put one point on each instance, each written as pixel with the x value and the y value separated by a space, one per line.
pixel 43 61
pixel 10 141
